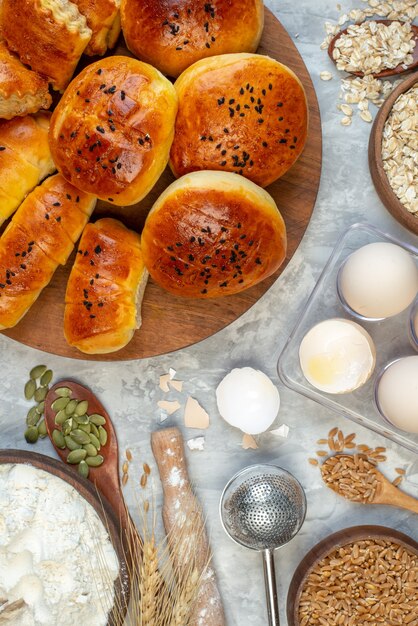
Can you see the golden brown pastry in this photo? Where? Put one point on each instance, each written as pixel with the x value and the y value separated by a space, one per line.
pixel 40 236
pixel 171 35
pixel 242 113
pixel 25 159
pixel 213 234
pixel 49 36
pixel 21 90
pixel 103 19
pixel 112 130
pixel 105 289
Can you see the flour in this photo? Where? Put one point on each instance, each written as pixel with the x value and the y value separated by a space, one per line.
pixel 55 553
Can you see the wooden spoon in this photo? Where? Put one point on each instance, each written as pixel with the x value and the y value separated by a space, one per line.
pixel 399 69
pixel 386 492
pixel 105 477
pixel 179 500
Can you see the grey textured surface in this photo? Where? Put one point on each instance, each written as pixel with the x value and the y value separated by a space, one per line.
pixel 130 391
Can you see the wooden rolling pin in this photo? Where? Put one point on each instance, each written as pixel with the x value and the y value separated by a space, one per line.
pixel 167 446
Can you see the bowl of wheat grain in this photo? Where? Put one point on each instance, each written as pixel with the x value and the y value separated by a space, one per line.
pixel 364 575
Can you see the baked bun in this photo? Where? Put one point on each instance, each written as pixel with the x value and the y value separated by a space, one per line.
pixel 103 19
pixel 21 90
pixel 40 236
pixel 25 159
pixel 171 35
pixel 213 234
pixel 48 35
pixel 242 113
pixel 105 289
pixel 112 130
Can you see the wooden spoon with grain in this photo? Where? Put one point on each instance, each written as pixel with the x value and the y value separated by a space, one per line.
pixel 105 477
pixel 379 489
pixel 399 69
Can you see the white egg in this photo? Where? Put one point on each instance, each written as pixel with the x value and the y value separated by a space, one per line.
pixel 379 280
pixel 397 394
pixel 337 356
pixel 248 400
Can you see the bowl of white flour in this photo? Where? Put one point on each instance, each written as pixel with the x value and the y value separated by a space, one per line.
pixel 61 559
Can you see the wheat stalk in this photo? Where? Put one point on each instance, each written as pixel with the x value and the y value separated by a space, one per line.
pixel 184 603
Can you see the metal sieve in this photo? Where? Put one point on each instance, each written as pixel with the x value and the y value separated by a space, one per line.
pixel 262 508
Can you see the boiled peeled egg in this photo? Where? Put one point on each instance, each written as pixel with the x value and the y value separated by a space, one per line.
pixel 397 394
pixel 337 356
pixel 248 400
pixel 378 280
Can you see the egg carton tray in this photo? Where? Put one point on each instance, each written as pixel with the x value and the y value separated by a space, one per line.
pixel 391 337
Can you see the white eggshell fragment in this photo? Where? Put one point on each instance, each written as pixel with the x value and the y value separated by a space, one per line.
pixel 379 280
pixel 337 356
pixel 397 394
pixel 248 400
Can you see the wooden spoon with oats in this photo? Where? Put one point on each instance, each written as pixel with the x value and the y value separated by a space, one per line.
pixel 356 478
pixel 341 51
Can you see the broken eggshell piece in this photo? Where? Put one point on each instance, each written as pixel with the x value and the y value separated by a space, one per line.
pixel 248 400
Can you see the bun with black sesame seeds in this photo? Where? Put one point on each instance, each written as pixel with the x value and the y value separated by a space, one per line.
pixel 213 234
pixel 171 35
pixel 40 237
pixel 112 130
pixel 241 113
pixel 105 289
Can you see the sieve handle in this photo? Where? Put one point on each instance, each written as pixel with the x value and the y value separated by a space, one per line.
pixel 271 587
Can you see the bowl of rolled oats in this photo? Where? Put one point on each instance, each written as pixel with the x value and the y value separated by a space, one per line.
pixel 364 575
pixel 393 153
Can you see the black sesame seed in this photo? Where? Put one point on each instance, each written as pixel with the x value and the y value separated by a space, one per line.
pixel 226 131
pixel 265 144
pixel 2 148
pixel 99 71
pixel 283 141
pixel 204 291
pixel 292 147
pixel 87 100
pixel 207 45
pixel 258 261
pixel 203 138
pixel 280 104
pixel 23 266
pixel 260 120
pixel 102 86
pixel 241 91
pixel 58 219
pixel 280 119
pixel 192 239
pixel 222 163
pixel 100 129
pixel 221 101
pixel 97 249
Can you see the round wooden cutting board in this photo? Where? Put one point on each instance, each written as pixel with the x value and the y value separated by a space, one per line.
pixel 168 322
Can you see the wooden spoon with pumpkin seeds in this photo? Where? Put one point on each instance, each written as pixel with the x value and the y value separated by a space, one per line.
pixel 69 408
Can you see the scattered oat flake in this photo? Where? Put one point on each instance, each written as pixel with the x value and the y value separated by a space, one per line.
pixel 197 443
pixel 282 431
pixel 346 109
pixel 248 442
pixel 325 75
pixel 164 382
pixel 177 385
pixel 169 406
pixel 195 416
pixel 346 121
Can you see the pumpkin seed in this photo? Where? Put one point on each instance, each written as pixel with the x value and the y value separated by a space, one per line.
pixel 42 429
pixel 85 427
pixel 80 436
pixel 94 430
pixel 63 392
pixel 102 436
pixel 76 456
pixel 81 419
pixel 60 417
pixel 40 408
pixel 71 444
pixel 83 469
pixel 70 407
pixel 94 461
pixel 46 378
pixel 40 394
pixel 97 419
pixel 60 403
pixel 58 439
pixel 31 434
pixel 68 426
pixel 30 389
pixel 32 418
pixel 90 449
pixel 37 371
pixel 94 441
pixel 81 407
